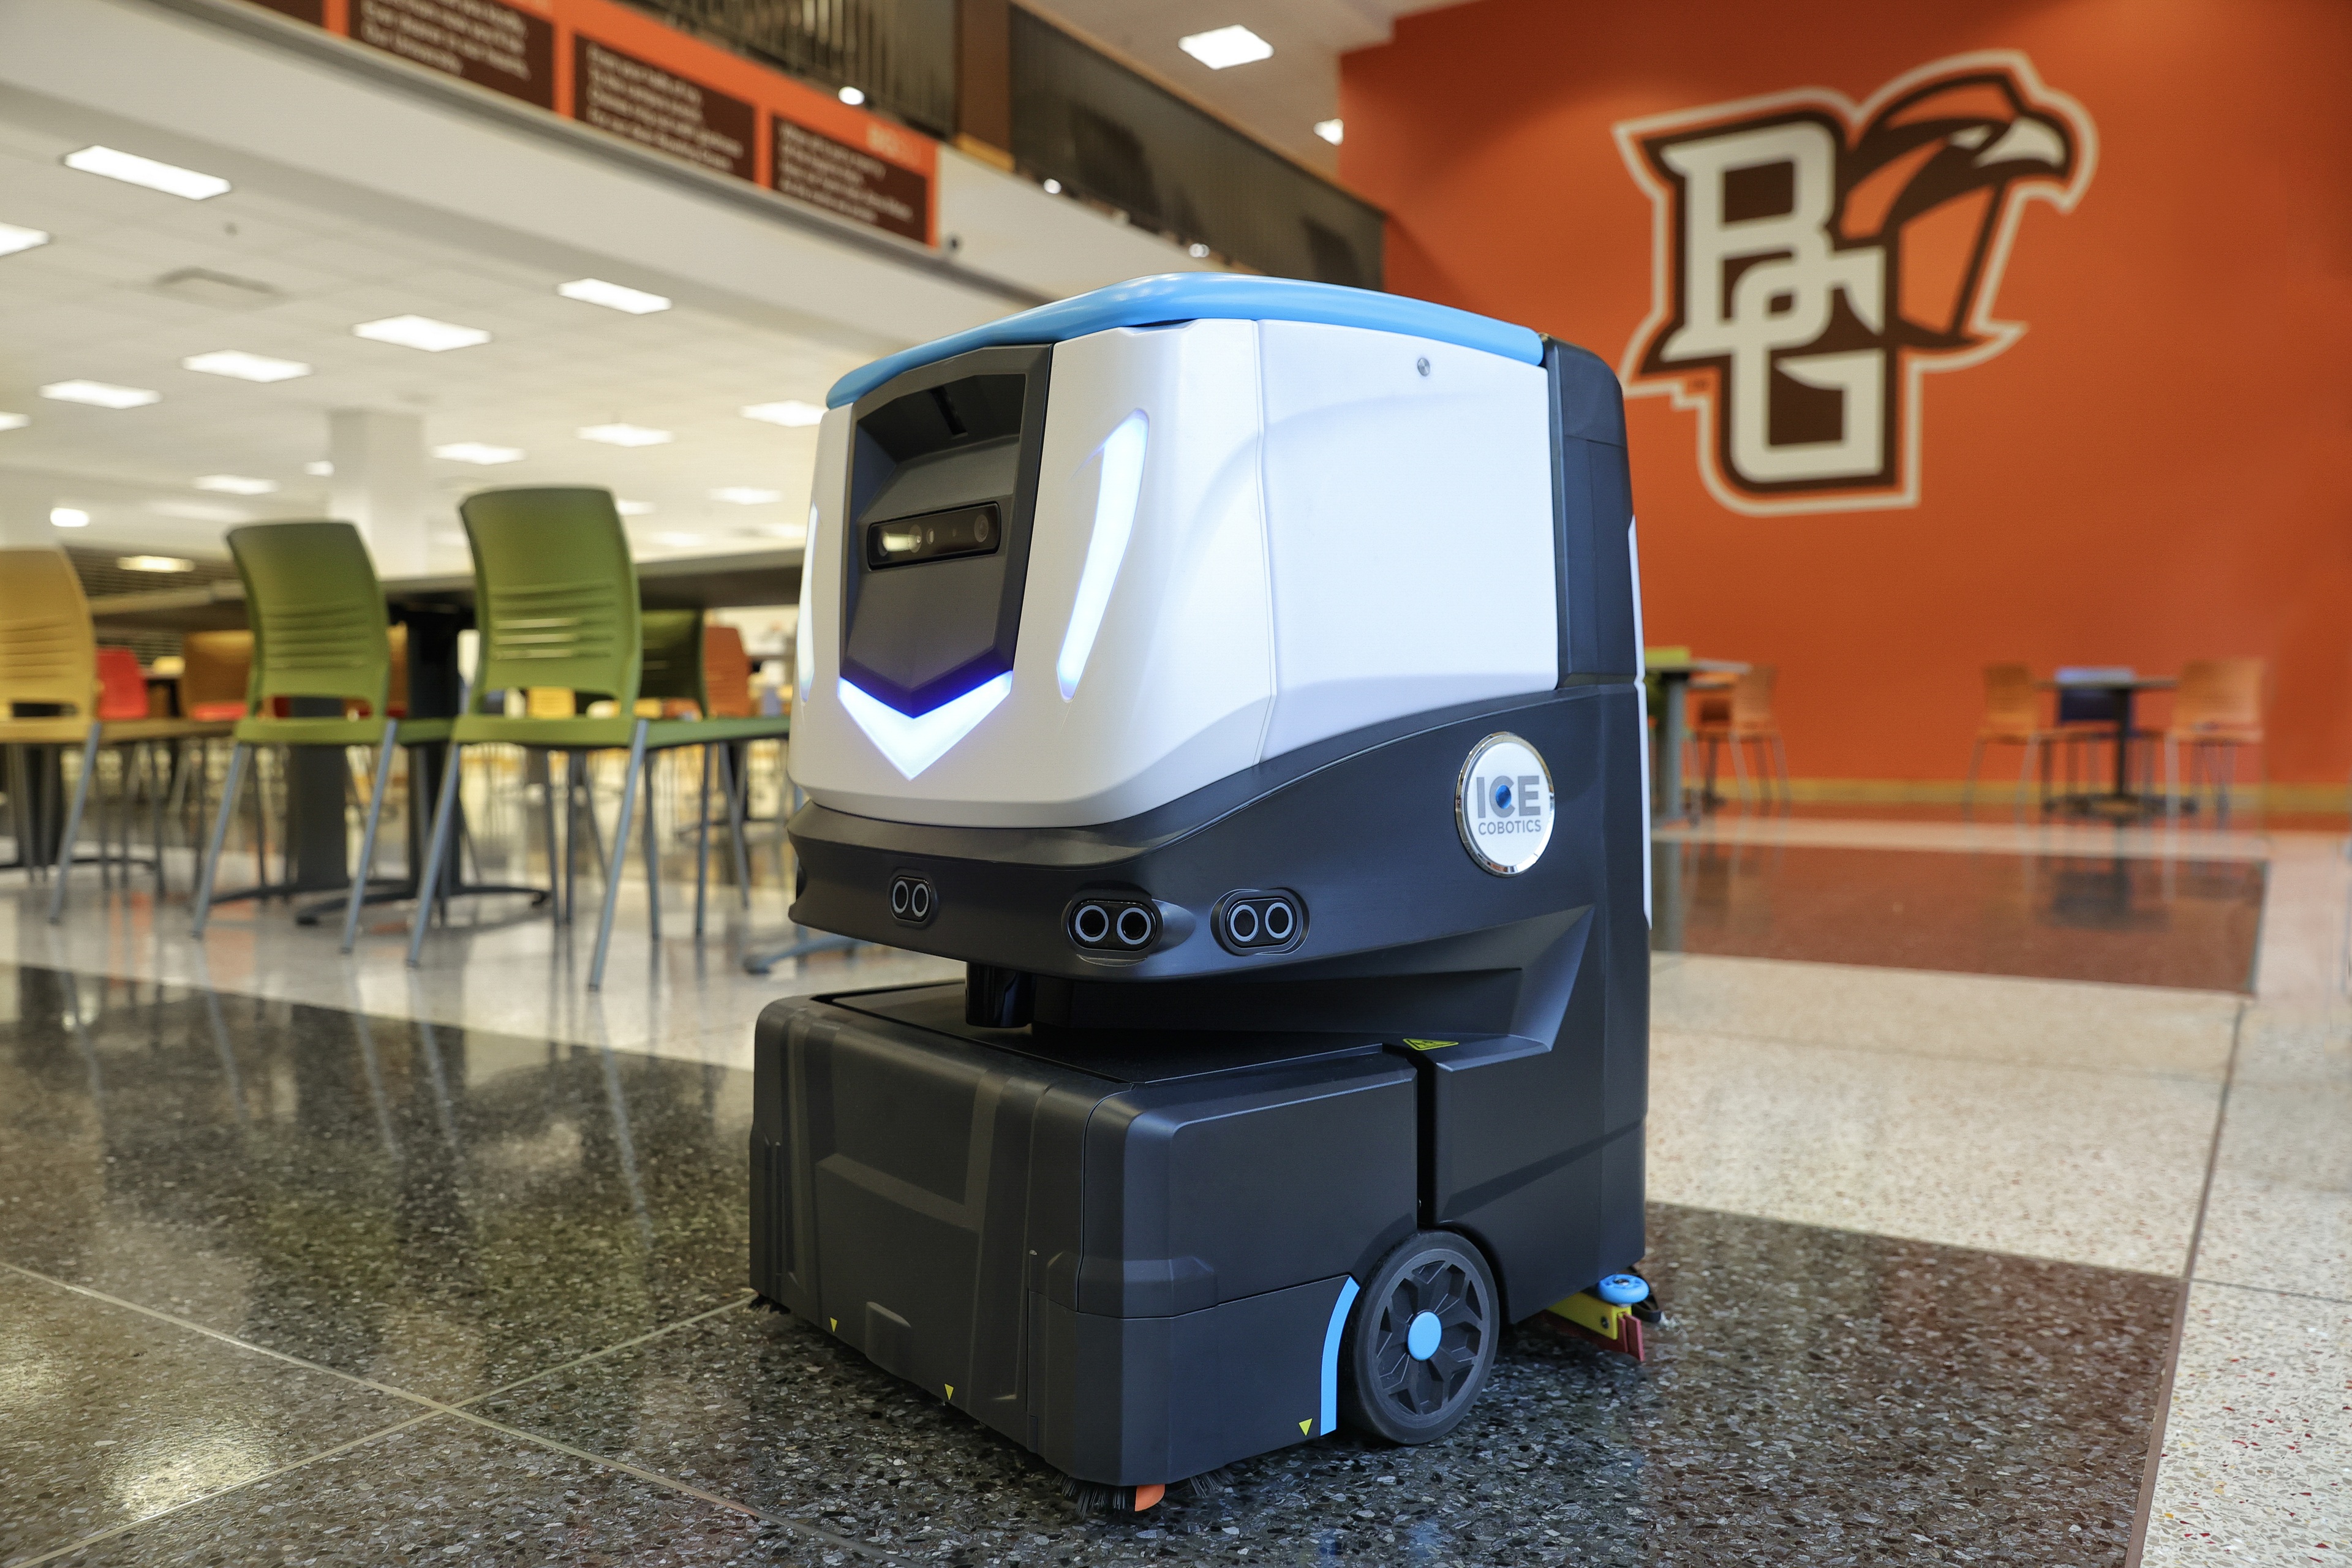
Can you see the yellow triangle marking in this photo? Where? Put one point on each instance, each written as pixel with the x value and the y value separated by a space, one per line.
pixel 1304 1424
pixel 836 1323
pixel 950 1388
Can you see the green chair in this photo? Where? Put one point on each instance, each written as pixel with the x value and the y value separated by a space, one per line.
pixel 555 605
pixel 675 668
pixel 318 631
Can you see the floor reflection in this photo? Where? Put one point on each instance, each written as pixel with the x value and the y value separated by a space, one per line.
pixel 2131 920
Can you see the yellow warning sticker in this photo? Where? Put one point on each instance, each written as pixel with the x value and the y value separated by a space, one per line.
pixel 1430 1045
pixel 836 1323
pixel 950 1388
pixel 1304 1424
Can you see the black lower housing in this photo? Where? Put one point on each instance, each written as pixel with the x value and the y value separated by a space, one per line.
pixel 1124 1232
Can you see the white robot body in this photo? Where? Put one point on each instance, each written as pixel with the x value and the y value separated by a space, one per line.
pixel 1248 536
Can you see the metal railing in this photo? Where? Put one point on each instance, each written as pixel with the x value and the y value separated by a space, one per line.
pixel 899 53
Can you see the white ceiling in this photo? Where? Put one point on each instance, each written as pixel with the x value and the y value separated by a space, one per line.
pixel 84 306
pixel 1277 99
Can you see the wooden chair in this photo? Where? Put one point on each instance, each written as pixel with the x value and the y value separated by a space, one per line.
pixel 1744 719
pixel 2013 717
pixel 2217 708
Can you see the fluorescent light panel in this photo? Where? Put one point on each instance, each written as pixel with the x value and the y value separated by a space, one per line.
pixel 236 485
pixel 624 435
pixel 133 170
pixel 612 295
pixel 243 366
pixel 322 469
pixel 633 507
pixel 421 333
pixel 480 452
pixel 154 564
pixel 101 394
pixel 68 517
pixel 792 413
pixel 746 495
pixel 14 421
pixel 1224 48
pixel 14 240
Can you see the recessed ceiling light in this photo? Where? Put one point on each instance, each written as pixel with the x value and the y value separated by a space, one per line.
pixel 244 366
pixel 68 517
pixel 1225 46
pixel 1197 251
pixel 633 507
pixel 132 169
pixel 101 394
pixel 853 95
pixel 478 452
pixel 1331 131
pixel 200 511
pixel 679 540
pixel 612 295
pixel 421 333
pixel 1052 187
pixel 14 240
pixel 323 469
pixel 747 495
pixel 792 413
pixel 624 435
pixel 236 485
pixel 14 421
pixel 154 564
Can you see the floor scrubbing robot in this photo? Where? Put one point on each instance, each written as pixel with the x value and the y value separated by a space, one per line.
pixel 1240 677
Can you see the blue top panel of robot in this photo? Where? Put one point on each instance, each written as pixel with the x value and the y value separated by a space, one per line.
pixel 1208 296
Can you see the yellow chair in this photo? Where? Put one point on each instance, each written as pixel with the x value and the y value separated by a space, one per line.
pixel 2013 717
pixel 50 696
pixel 1744 719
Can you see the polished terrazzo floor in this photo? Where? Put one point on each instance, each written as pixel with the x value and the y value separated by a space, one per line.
pixel 317 1263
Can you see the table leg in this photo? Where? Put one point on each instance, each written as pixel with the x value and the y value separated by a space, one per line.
pixel 1673 725
pixel 2123 743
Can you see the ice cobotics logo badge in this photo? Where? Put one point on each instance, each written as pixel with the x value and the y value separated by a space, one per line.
pixel 1503 804
pixel 1815 257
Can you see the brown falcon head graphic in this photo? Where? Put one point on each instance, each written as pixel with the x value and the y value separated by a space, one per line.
pixel 1928 179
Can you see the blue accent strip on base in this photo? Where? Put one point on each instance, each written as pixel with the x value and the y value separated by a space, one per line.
pixel 1331 1355
pixel 1208 297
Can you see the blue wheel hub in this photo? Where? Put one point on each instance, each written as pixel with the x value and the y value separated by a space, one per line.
pixel 1421 1336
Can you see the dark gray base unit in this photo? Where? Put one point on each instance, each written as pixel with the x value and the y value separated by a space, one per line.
pixel 1143 1254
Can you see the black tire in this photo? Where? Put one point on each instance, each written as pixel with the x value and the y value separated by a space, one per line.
pixel 1384 1387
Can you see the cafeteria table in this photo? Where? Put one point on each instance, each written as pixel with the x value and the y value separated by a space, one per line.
pixel 2121 801
pixel 1674 677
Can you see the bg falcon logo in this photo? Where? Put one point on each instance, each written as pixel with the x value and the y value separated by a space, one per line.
pixel 1814 258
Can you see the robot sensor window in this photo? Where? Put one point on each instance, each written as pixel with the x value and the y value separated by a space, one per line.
pixel 1114 925
pixel 1254 921
pixel 912 900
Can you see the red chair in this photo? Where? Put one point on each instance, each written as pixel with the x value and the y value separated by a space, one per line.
pixel 121 685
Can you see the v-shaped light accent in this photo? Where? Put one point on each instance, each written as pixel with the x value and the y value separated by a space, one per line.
pixel 914 744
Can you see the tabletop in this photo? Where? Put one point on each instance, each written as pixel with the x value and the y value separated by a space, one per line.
pixel 2110 683
pixel 677 582
pixel 1692 667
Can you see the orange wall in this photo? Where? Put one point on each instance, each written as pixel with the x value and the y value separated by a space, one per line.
pixel 2159 468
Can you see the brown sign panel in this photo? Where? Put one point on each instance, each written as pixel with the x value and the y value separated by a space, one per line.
pixel 632 98
pixel 311 11
pixel 840 178
pixel 493 46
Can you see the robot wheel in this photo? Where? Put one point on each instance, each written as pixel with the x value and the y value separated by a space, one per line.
pixel 1421 1340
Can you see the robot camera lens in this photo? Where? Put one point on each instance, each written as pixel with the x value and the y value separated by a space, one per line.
pixel 901 895
pixel 919 900
pixel 1135 924
pixel 982 528
pixel 1279 921
pixel 1091 925
pixel 1242 922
